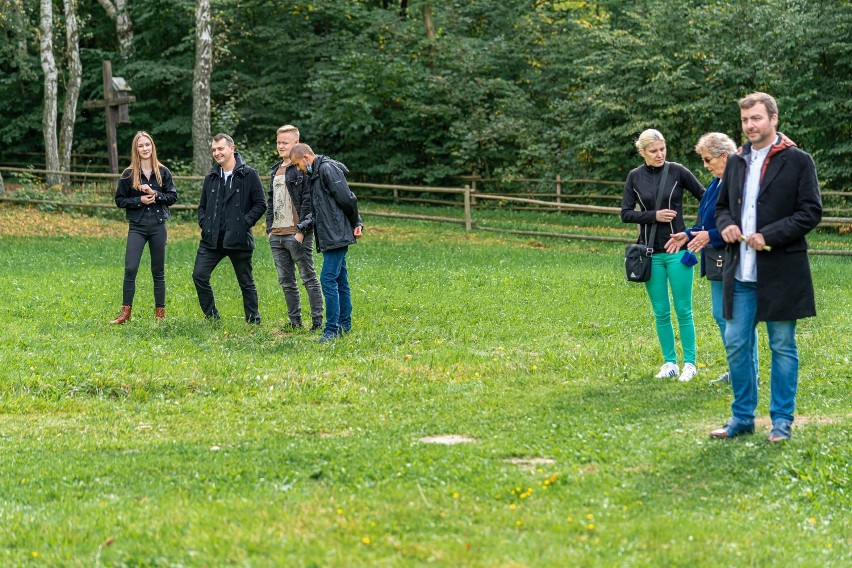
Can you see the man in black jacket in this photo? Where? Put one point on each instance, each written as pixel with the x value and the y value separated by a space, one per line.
pixel 337 224
pixel 769 201
pixel 232 201
pixel 288 213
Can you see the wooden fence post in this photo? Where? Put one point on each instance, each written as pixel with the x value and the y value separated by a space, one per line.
pixel 474 177
pixel 468 222
pixel 558 189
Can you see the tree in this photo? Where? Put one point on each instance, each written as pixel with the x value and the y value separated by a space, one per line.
pixel 48 65
pixel 72 88
pixel 119 13
pixel 201 89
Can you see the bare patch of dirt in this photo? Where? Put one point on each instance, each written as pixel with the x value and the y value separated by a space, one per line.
pixel 447 439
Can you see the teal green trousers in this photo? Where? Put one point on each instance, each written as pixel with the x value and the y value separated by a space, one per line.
pixel 667 270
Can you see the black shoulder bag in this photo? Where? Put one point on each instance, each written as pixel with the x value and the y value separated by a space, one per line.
pixel 637 258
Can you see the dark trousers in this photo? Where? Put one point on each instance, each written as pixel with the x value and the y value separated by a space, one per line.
pixel 154 233
pixel 206 260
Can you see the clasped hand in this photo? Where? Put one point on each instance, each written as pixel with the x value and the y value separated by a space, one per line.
pixel 150 194
pixel 700 239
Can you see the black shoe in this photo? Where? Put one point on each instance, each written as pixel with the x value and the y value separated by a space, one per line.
pixel 316 327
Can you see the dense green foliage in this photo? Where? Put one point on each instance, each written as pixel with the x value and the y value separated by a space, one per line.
pixel 195 443
pixel 524 88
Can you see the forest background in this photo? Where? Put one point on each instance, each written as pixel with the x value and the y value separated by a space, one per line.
pixel 420 92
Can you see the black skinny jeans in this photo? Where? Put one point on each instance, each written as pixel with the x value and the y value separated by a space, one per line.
pixel 147 230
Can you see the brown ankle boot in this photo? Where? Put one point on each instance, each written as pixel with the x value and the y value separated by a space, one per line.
pixel 124 317
pixel 160 314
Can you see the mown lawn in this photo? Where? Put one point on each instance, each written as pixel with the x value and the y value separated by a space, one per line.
pixel 193 443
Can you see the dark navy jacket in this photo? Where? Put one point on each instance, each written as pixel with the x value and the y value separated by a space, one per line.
pixel 707 220
pixel 335 207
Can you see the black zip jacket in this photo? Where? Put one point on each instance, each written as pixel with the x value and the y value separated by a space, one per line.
pixel 297 185
pixel 639 202
pixel 335 207
pixel 242 202
pixel 130 199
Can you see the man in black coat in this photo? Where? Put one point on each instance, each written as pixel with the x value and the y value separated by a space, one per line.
pixel 232 201
pixel 769 201
pixel 336 225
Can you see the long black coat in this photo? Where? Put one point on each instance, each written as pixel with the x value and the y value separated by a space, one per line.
pixel 244 204
pixel 788 208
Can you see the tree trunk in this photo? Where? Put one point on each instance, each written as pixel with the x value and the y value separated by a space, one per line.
pixel 428 23
pixel 123 26
pixel 201 89
pixel 48 66
pixel 72 89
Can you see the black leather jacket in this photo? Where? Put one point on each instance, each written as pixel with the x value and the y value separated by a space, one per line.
pixel 130 199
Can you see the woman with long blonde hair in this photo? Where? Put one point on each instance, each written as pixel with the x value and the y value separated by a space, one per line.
pixel 145 191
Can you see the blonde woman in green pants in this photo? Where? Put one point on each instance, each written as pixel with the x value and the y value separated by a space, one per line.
pixel 644 189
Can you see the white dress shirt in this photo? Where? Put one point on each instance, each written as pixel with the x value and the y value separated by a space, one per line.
pixel 747 269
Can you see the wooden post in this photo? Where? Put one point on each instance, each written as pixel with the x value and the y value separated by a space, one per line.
pixel 115 103
pixel 468 222
pixel 474 177
pixel 111 119
pixel 558 189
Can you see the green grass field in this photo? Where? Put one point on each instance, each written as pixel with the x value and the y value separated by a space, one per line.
pixel 194 443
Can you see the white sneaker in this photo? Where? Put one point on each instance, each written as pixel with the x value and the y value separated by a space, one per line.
pixel 689 371
pixel 667 370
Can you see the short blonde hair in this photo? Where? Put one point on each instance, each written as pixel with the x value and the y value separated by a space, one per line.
pixel 288 128
pixel 647 137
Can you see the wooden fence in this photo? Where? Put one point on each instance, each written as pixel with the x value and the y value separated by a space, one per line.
pixel 468 195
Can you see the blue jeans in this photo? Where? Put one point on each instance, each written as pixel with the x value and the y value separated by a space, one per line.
pixel 717 296
pixel 335 287
pixel 740 343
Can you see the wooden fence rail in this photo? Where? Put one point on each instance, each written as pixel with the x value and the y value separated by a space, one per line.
pixel 467 192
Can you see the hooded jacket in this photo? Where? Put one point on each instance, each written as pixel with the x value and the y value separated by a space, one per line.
pixel 243 204
pixel 788 208
pixel 335 207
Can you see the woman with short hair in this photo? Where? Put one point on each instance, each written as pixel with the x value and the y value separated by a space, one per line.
pixel 714 149
pixel 643 190
pixel 145 191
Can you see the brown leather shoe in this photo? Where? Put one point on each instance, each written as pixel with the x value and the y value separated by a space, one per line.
pixel 123 317
pixel 160 314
